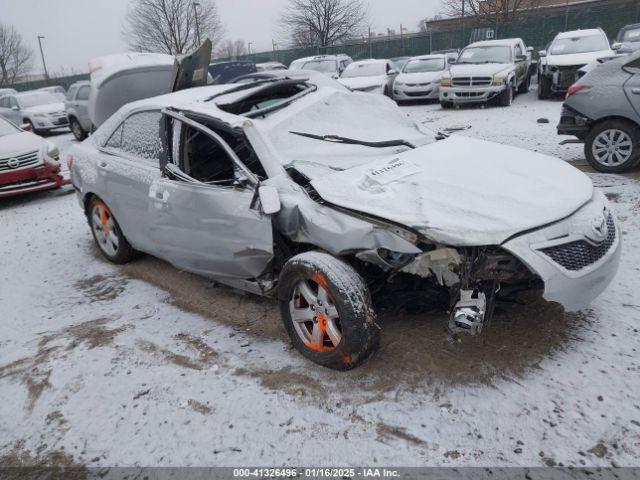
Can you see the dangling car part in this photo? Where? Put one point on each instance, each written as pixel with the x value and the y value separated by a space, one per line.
pixel 339 205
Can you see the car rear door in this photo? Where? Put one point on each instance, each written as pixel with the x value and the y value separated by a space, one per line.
pixel 81 106
pixel 128 163
pixel 212 228
pixel 632 86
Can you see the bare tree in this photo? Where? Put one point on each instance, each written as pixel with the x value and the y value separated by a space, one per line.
pixel 15 56
pixel 171 26
pixel 323 22
pixel 231 49
pixel 489 12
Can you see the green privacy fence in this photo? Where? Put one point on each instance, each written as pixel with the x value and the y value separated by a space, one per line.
pixel 535 31
pixel 66 82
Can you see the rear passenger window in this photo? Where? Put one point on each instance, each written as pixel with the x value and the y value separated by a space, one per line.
pixel 4 102
pixel 71 93
pixel 139 136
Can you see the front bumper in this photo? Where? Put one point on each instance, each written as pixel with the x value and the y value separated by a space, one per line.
pixel 42 177
pixel 573 267
pixel 470 94
pixel 562 78
pixel 405 93
pixel 49 122
pixel 573 122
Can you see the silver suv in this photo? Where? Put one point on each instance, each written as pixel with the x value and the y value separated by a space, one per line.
pixel 77 107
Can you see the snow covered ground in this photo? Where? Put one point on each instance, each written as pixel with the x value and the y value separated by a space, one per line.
pixel 146 365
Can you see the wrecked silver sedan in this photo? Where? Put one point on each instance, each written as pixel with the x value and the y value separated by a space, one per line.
pixel 338 204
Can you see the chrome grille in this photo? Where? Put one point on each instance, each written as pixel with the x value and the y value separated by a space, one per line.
pixel 471 81
pixel 580 254
pixel 25 160
pixel 417 84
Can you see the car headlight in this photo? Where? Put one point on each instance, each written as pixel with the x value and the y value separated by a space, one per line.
pixel 52 150
pixel 499 80
pixel 40 115
pixel 399 84
pixel 445 82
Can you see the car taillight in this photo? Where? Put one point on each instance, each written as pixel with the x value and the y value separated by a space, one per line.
pixel 69 161
pixel 577 88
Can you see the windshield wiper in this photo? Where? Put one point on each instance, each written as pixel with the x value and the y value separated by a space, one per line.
pixel 352 141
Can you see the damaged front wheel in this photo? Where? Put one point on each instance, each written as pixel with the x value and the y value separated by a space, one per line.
pixel 326 309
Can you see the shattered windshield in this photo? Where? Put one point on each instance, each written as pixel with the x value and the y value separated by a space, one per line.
pixel 590 43
pixel 490 54
pixel 365 70
pixel 423 65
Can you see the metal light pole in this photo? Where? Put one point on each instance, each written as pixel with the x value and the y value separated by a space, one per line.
pixel 195 9
pixel 566 16
pixel 463 40
pixel 249 46
pixel 46 73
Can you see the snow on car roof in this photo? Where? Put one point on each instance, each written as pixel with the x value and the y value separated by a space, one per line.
pixel 580 33
pixel 371 61
pixel 103 67
pixel 427 57
pixel 505 41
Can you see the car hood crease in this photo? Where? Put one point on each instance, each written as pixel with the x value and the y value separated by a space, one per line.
pixel 461 191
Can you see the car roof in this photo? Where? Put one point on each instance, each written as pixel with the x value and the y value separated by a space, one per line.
pixel 429 56
pixel 507 42
pixel 321 57
pixel 580 33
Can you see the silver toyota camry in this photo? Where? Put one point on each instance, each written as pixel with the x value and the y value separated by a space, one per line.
pixel 337 204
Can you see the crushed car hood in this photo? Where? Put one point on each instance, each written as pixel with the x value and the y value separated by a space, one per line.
pixel 461 191
pixel 573 59
pixel 358 83
pixel 483 69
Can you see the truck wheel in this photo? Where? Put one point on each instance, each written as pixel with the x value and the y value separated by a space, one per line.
pixel 544 87
pixel 326 309
pixel 77 130
pixel 505 99
pixel 107 233
pixel 613 146
pixel 525 85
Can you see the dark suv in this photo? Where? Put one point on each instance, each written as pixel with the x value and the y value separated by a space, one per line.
pixel 602 109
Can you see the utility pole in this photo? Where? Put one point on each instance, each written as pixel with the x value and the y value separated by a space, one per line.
pixel 46 74
pixel 402 37
pixel 249 45
pixel 370 44
pixel 464 42
pixel 195 9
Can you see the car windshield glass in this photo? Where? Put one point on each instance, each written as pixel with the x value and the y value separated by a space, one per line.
pixel 590 43
pixel 325 66
pixel 490 54
pixel 36 98
pixel 7 128
pixel 632 35
pixel 424 65
pixel 364 70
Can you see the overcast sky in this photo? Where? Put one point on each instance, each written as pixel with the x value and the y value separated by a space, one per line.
pixel 78 30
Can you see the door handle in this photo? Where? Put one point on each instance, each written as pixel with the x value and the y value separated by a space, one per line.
pixel 103 165
pixel 635 91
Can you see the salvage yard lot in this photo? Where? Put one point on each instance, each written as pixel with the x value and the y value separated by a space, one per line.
pixel 147 365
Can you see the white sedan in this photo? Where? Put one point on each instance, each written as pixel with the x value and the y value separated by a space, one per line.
pixel 373 76
pixel 420 78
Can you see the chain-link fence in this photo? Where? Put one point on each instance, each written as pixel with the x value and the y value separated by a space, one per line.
pixel 66 82
pixel 536 31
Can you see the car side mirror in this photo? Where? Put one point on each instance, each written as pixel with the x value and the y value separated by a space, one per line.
pixel 542 53
pixel 521 58
pixel 529 49
pixel 616 46
pixel 392 72
pixel 335 76
pixel 26 127
pixel 15 108
pixel 269 199
pixel 451 61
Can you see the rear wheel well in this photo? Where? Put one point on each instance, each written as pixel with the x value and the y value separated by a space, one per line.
pixel 87 202
pixel 595 123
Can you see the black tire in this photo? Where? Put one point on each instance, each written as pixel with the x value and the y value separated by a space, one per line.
pixel 33 128
pixel 446 105
pixel 77 130
pixel 124 252
pixel 544 87
pixel 349 300
pixel 505 99
pixel 626 128
pixel 525 85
